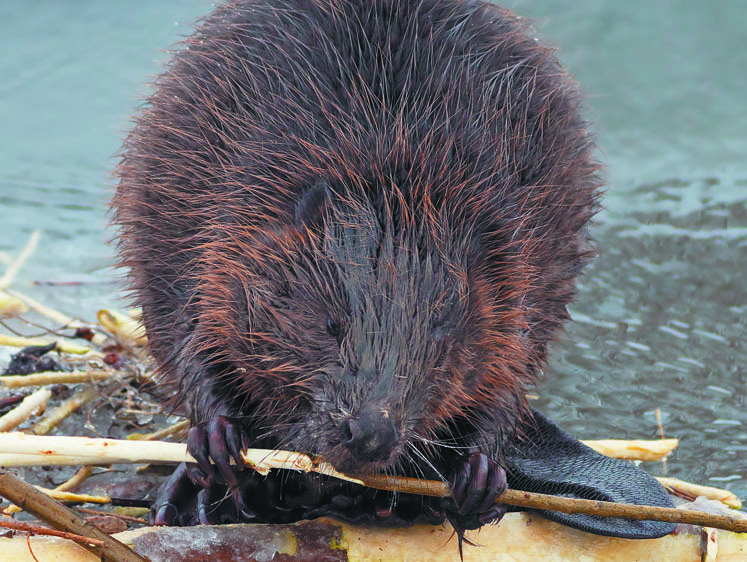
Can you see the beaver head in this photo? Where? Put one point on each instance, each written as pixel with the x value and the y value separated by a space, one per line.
pixel 363 327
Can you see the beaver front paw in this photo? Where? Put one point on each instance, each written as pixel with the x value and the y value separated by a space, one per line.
pixel 181 502
pixel 274 498
pixel 221 440
pixel 476 482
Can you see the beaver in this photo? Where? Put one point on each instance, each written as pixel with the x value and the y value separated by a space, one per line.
pixel 353 227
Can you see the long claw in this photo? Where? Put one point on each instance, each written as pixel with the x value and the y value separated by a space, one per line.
pixel 497 511
pixel 459 481
pixel 235 445
pixel 476 482
pixel 204 508
pixel 495 486
pixel 166 515
pixel 198 446
pixel 216 438
pixel 475 491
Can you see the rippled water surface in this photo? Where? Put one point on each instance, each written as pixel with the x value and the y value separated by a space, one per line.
pixel 660 316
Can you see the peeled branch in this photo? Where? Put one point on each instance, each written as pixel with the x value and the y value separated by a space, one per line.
pixel 681 487
pixel 634 449
pixel 10 306
pixel 125 328
pixel 54 416
pixel 53 377
pixel 60 345
pixel 33 404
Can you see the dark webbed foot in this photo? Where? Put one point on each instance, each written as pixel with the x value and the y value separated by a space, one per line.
pixel 254 498
pixel 182 502
pixel 206 492
pixel 476 482
pixel 221 440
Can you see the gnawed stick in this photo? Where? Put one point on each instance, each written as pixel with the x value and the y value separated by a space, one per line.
pixel 54 377
pixel 110 451
pixel 33 404
pixel 60 344
pixel 60 517
pixel 62 496
pixel 55 415
pixel 694 490
pixel 634 449
pixel 125 328
pixel 178 427
pixel 10 306
pixel 76 480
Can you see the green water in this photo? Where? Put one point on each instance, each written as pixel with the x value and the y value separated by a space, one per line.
pixel 660 316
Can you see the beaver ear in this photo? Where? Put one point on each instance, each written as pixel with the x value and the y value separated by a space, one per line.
pixel 312 204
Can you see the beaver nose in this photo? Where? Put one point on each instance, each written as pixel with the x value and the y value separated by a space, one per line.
pixel 370 436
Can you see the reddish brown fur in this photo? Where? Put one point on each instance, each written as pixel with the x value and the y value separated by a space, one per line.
pixel 441 129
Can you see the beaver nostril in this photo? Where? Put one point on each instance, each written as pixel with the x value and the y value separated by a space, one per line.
pixel 370 436
pixel 346 433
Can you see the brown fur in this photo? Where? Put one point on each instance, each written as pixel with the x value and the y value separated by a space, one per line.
pixel 414 174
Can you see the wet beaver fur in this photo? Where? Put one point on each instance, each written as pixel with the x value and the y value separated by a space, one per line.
pixel 353 227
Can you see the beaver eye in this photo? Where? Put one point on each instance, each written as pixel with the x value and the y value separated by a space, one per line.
pixel 333 328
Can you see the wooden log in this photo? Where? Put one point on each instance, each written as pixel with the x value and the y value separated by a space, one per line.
pixel 519 537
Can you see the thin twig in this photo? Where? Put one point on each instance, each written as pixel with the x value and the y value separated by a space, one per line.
pixel 567 505
pixel 39 530
pixel 14 267
pixel 31 552
pixel 128 518
pixel 56 316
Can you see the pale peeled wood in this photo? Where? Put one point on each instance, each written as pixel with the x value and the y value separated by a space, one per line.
pixel 102 446
pixel 634 449
pixel 123 327
pixel 695 490
pixel 10 306
pixel 62 345
pixel 54 377
pixel 33 404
